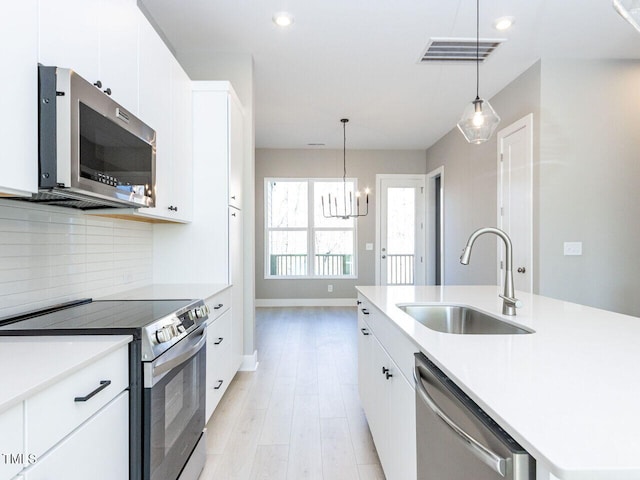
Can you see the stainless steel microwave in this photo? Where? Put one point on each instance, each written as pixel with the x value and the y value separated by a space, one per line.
pixel 93 153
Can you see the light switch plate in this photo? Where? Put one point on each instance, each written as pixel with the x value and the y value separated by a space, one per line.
pixel 573 248
pixel 368 246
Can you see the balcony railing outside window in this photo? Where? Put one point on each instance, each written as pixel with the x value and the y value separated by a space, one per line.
pixel 400 269
pixel 325 265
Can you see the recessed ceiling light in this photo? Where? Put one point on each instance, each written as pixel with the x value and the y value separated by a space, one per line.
pixel 283 19
pixel 503 23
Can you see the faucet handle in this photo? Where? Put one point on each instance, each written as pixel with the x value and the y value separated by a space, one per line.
pixel 514 302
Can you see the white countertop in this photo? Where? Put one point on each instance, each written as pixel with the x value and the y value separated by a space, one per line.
pixel 569 393
pixel 31 364
pixel 178 291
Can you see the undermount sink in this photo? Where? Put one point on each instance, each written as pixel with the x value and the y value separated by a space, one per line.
pixel 459 319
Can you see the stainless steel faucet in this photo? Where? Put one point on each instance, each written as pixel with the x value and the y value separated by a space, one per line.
pixel 509 301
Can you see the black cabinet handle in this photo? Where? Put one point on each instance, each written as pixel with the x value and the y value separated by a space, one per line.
pixel 358 302
pixel 220 339
pixel 172 208
pixel 218 307
pixel 364 331
pixel 103 384
pixel 107 91
pixel 388 375
pixel 233 214
pixel 365 311
pixel 233 197
pixel 220 382
pixel 98 84
pixel 384 370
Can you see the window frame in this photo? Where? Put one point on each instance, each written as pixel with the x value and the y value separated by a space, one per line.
pixel 310 229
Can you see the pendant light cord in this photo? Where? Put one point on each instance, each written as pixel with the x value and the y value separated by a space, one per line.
pixel 477 49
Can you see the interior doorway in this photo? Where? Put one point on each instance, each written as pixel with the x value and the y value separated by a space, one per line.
pixel 400 230
pixel 435 227
pixel 515 199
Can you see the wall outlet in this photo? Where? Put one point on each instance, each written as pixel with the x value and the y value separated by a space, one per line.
pixel 573 248
pixel 329 288
pixel 368 246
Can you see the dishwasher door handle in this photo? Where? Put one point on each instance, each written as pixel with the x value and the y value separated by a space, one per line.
pixel 488 457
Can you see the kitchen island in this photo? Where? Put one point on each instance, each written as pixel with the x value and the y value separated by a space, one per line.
pixel 568 393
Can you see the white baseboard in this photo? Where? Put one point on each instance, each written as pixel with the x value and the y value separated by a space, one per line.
pixel 305 302
pixel 249 362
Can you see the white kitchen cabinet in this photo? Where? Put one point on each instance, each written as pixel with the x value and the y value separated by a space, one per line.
pixel 219 361
pixel 76 428
pixel 236 279
pixel 19 84
pixel 223 122
pixel 70 36
pixel 95 38
pixel 12 446
pixel 58 401
pixel 221 366
pixel 119 20
pixel 365 360
pixel 388 397
pixel 99 449
pixel 165 105
pixel 236 149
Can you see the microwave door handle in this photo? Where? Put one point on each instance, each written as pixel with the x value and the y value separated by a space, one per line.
pixel 488 457
pixel 172 363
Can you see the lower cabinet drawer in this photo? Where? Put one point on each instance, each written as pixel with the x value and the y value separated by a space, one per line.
pixel 98 450
pixel 219 303
pixel 12 454
pixel 219 361
pixel 57 411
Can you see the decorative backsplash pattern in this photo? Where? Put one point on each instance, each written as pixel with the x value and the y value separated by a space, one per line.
pixel 50 255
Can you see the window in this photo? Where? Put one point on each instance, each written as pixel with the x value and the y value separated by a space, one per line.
pixel 299 241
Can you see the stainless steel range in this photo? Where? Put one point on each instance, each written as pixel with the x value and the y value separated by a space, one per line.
pixel 167 374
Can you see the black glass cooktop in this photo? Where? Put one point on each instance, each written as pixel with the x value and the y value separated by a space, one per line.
pixel 109 317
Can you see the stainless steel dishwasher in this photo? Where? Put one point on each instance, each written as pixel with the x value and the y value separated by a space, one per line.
pixel 456 439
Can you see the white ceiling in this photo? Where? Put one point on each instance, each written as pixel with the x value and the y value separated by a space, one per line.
pixel 358 59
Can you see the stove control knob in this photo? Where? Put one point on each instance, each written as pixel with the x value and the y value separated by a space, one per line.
pixel 199 312
pixel 191 314
pixel 166 333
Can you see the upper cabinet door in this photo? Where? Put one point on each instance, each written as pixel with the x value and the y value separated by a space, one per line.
pixel 119 51
pixel 19 83
pixel 70 36
pixel 181 141
pixel 236 151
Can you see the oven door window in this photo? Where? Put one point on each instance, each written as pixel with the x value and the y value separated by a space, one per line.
pixel 174 418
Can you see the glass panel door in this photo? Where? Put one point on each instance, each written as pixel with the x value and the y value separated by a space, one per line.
pixel 401 254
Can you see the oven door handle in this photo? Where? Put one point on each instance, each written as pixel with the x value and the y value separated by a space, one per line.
pixel 489 458
pixel 161 368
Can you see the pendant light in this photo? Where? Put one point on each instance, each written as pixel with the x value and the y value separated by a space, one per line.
pixel 348 211
pixel 479 120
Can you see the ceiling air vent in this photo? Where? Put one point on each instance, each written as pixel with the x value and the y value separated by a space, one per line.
pixel 458 50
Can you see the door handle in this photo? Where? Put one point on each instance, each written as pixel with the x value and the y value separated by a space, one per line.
pixel 384 256
pixel 522 269
pixel 489 458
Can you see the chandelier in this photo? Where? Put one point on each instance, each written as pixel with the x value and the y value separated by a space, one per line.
pixel 479 120
pixel 349 210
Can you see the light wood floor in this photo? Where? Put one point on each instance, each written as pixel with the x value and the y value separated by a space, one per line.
pixel 299 415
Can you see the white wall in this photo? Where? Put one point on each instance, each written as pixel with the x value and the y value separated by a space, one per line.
pixel 50 255
pixel 319 163
pixel 589 174
pixel 471 182
pixel 586 172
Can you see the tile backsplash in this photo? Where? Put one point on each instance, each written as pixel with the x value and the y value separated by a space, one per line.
pixel 50 255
